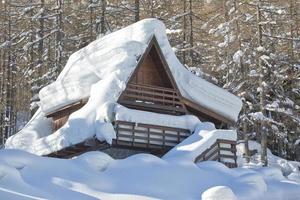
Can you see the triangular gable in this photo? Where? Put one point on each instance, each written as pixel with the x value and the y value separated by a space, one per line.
pixel 153 70
pixel 154 48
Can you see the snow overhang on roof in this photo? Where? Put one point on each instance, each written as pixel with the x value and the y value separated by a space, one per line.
pixel 119 52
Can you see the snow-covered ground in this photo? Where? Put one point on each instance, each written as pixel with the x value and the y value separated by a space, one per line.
pixel 290 169
pixel 95 175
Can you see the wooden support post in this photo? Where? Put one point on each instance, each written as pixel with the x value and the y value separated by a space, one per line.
pixel 219 151
pixel 133 127
pixel 233 146
pixel 117 132
pixel 164 138
pixel 148 137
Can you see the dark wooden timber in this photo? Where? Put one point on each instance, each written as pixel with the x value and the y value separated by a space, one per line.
pixel 218 152
pixel 205 114
pixel 64 109
pixel 77 149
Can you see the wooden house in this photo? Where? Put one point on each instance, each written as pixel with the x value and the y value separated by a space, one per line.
pixel 135 69
pixel 150 88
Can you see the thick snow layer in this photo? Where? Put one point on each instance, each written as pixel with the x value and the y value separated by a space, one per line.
pixel 130 115
pixel 95 175
pixel 100 71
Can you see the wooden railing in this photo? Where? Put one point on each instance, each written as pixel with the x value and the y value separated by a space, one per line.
pixel 152 98
pixel 148 136
pixel 223 151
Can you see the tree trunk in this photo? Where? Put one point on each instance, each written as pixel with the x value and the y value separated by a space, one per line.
pixel 91 21
pixel 41 40
pixel 239 40
pixel 184 33
pixel 59 37
pixel 137 10
pixel 291 52
pixel 191 30
pixel 152 9
pixel 102 19
pixel 264 158
pixel 246 142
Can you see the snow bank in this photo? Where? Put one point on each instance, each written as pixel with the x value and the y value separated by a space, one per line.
pixel 95 175
pixel 204 136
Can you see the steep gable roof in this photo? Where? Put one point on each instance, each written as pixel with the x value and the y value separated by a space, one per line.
pixel 121 51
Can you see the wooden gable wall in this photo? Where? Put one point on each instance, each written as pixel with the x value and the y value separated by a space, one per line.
pixel 152 86
pixel 152 72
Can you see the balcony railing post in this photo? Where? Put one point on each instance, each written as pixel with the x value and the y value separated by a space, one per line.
pixel 133 127
pixel 164 137
pixel 117 132
pixel 219 151
pixel 148 137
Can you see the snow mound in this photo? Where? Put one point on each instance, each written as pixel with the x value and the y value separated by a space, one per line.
pixel 95 160
pixel 217 193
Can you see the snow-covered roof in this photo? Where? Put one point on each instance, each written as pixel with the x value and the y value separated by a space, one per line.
pixel 100 72
pixel 118 53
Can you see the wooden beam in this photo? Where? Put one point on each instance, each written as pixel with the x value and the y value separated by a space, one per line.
pixel 64 108
pixel 208 112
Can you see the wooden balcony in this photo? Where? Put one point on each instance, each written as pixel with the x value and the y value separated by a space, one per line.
pixel 152 98
pixel 147 136
pixel 223 151
pixel 153 139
